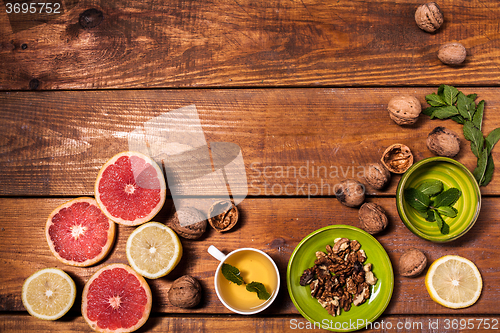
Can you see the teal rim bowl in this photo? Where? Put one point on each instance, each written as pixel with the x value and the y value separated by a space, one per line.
pixel 452 174
pixel 357 317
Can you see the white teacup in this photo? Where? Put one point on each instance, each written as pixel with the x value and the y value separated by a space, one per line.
pixel 254 265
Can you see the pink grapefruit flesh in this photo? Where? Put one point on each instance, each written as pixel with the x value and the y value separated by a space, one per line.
pixel 78 233
pixel 130 188
pixel 116 299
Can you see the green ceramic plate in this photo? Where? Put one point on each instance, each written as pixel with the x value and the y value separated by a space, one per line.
pixel 452 174
pixel 359 316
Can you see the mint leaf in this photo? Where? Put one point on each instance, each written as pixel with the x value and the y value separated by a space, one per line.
pixel 459 119
pixel 442 225
pixel 482 163
pixel 417 199
pixel 445 112
pixel 260 289
pixel 430 216
pixel 447 198
pixel 435 100
pixel 447 211
pixel 450 94
pixel 232 274
pixel 492 139
pixel 474 135
pixel 477 120
pixel 431 187
pixel 472 96
pixel 488 174
pixel 465 106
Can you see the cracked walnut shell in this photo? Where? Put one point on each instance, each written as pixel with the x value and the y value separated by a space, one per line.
pixel 223 215
pixel 429 17
pixel 443 142
pixel 185 292
pixel 404 109
pixel 412 262
pixel 397 158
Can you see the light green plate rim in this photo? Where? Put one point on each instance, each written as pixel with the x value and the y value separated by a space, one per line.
pixel 357 318
pixel 452 174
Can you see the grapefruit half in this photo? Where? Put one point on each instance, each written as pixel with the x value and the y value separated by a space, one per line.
pixel 130 188
pixel 78 233
pixel 116 299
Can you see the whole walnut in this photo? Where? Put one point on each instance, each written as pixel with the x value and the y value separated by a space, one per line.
pixel 193 224
pixel 404 109
pixel 452 53
pixel 350 192
pixel 412 262
pixel 372 218
pixel 185 292
pixel 443 142
pixel 429 17
pixel 377 175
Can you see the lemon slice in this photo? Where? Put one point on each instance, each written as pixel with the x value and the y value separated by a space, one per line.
pixel 454 282
pixel 153 250
pixel 48 293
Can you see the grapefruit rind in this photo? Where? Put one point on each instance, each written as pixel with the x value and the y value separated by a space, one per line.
pixel 434 294
pixel 37 275
pixel 167 266
pixel 91 261
pixel 143 284
pixel 153 211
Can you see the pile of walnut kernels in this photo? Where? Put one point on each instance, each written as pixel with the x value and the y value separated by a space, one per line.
pixel 339 278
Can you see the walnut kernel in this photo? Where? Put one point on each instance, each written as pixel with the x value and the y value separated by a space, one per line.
pixel 372 218
pixel 452 53
pixel 350 192
pixel 429 17
pixel 223 215
pixel 197 223
pixel 185 292
pixel 412 262
pixel 377 175
pixel 404 109
pixel 443 142
pixel 397 158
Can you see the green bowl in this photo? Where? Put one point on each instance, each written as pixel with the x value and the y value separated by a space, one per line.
pixel 452 174
pixel 357 317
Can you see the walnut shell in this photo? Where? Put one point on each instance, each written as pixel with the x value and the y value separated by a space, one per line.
pixel 443 142
pixel 372 218
pixel 452 53
pixel 404 109
pixel 185 292
pixel 224 215
pixel 397 158
pixel 350 192
pixel 197 223
pixel 429 17
pixel 377 175
pixel 412 262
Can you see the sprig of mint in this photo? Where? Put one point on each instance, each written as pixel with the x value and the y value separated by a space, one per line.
pixel 450 103
pixel 432 202
pixel 232 274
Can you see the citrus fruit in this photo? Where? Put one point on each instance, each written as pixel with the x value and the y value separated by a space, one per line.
pixel 454 282
pixel 116 299
pixel 153 250
pixel 78 232
pixel 130 188
pixel 48 293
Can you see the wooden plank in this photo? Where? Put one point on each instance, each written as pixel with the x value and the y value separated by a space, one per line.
pixel 425 324
pixel 246 43
pixel 275 226
pixel 294 142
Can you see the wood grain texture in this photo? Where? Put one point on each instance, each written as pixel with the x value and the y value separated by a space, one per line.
pixel 275 226
pixel 202 43
pixel 294 142
pixel 15 323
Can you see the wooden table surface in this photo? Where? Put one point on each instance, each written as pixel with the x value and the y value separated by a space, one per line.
pixel 293 83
